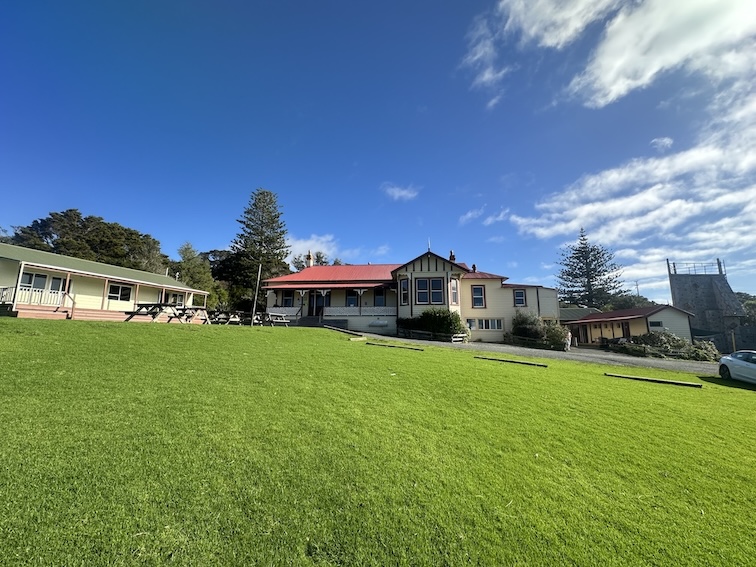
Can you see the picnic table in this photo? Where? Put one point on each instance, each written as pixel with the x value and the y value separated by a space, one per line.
pixel 275 319
pixel 182 313
pixel 154 310
pixel 188 313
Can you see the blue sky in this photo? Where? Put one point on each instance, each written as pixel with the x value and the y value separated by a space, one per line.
pixel 496 129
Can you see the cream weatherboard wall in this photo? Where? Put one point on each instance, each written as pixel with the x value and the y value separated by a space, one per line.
pixel 428 268
pixel 489 322
pixel 672 320
pixel 8 272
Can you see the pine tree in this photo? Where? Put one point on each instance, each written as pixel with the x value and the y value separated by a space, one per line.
pixel 589 275
pixel 261 245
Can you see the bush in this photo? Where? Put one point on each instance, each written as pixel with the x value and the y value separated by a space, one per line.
pixel 528 324
pixel 555 336
pixel 661 344
pixel 530 328
pixel 436 321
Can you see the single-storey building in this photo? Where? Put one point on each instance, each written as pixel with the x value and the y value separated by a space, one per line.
pixel 626 323
pixel 41 284
pixel 371 297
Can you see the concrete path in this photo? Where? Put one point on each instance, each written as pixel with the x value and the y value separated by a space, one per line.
pixel 597 356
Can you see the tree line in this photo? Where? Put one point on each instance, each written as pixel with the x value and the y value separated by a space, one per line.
pixel 230 276
pixel 588 277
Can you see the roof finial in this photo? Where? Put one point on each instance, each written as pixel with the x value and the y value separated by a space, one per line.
pixel 429 244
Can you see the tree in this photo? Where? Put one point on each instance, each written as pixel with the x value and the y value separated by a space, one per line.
pixel 299 262
pixel 91 238
pixel 194 270
pixel 261 245
pixel 749 304
pixel 589 275
pixel 627 301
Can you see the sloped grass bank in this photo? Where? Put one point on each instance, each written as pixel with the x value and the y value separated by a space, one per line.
pixel 146 444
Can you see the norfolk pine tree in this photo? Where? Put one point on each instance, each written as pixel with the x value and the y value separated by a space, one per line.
pixel 261 242
pixel 589 275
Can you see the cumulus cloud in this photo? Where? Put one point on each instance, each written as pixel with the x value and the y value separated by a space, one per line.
pixel 690 205
pixel 325 243
pixel 471 215
pixel 662 144
pixel 398 193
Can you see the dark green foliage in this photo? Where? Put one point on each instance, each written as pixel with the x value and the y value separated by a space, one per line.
pixel 261 242
pixel 527 324
pixel 299 262
pixel 627 301
pixel 589 275
pixel 749 304
pixel 91 238
pixel 194 270
pixel 437 321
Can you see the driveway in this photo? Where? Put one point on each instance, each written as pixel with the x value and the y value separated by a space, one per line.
pixel 579 354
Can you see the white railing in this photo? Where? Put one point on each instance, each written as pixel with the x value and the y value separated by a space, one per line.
pixel 6 294
pixel 357 312
pixel 29 296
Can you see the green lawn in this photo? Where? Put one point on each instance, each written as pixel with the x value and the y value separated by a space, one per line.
pixel 130 444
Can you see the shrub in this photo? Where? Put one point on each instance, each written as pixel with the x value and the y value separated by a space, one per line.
pixel 555 336
pixel 661 344
pixel 436 321
pixel 528 324
pixel 702 350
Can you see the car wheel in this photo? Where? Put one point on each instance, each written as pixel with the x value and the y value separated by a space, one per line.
pixel 724 372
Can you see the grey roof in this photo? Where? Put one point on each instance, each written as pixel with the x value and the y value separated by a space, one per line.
pixel 575 313
pixel 87 267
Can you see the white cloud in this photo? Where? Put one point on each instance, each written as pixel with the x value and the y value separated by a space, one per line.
pixel 325 243
pixel 662 144
pixel 691 205
pixel 648 38
pixel 471 215
pixel 496 218
pixel 552 23
pixel 398 193
pixel 482 59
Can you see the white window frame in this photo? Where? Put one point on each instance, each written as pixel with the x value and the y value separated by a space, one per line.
pixel 481 296
pixel 454 286
pixel 522 300
pixel 419 283
pixel 404 291
pixel 490 324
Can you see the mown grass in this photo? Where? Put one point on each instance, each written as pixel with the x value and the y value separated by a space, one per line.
pixel 131 444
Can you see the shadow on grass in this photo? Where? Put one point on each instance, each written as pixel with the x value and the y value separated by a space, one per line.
pixel 728 383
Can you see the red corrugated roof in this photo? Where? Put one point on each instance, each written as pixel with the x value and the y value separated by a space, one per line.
pixel 483 276
pixel 365 275
pixel 635 313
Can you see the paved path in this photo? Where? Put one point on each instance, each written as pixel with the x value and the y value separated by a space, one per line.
pixel 582 355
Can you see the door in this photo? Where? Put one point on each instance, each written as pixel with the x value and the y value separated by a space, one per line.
pixel 317 302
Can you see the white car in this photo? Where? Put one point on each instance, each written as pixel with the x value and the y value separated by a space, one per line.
pixel 740 365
